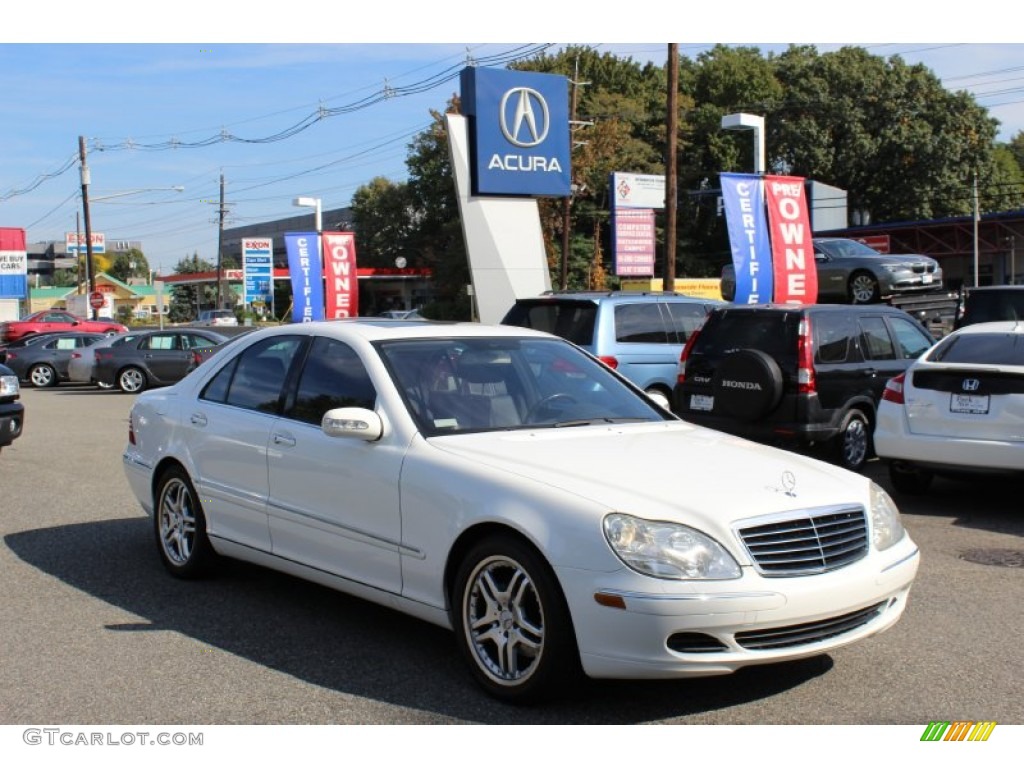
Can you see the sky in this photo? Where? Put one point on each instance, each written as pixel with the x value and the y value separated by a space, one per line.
pixel 321 102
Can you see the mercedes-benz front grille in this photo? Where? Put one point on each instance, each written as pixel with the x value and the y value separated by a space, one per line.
pixel 807 542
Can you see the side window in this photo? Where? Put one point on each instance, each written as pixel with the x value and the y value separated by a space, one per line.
pixel 875 339
pixel 911 341
pixel 332 377
pixel 162 341
pixel 254 380
pixel 640 323
pixel 832 336
pixel 684 318
pixel 68 343
pixel 191 341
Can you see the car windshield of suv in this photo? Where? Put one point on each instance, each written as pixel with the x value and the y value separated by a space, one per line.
pixel 839 249
pixel 472 385
pixel 980 349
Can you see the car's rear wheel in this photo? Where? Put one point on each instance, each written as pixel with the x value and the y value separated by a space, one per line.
pixel 852 446
pixel 863 288
pixel 131 380
pixel 42 375
pixel 908 479
pixel 180 527
pixel 512 622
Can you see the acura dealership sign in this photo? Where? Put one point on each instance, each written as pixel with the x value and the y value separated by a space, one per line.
pixel 519 132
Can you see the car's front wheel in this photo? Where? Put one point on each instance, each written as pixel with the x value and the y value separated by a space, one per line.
pixel 863 288
pixel 42 375
pixel 512 622
pixel 180 527
pixel 131 380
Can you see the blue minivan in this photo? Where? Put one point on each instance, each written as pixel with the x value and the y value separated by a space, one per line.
pixel 641 335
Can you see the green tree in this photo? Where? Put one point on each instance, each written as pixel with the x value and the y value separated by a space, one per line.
pixel 384 216
pixel 187 300
pixel 129 264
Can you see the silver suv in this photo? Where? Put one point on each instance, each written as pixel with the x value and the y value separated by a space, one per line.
pixel 641 335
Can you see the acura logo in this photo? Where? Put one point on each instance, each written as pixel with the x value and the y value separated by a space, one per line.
pixel 971 385
pixel 524 117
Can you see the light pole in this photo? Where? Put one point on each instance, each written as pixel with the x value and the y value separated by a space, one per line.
pixel 741 121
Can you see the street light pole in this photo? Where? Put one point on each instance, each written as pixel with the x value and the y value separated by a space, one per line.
pixel 742 121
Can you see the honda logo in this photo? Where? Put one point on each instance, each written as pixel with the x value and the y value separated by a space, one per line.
pixel 971 385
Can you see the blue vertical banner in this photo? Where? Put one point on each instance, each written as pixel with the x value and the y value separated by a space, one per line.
pixel 307 276
pixel 743 199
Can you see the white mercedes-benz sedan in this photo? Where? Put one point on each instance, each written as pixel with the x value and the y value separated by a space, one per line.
pixel 503 483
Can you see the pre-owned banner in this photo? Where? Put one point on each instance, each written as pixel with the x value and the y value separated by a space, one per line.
pixel 796 276
pixel 743 199
pixel 307 276
pixel 340 274
pixel 13 263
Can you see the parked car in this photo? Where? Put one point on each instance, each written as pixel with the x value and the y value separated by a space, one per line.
pixel 959 409
pixel 638 334
pixel 12 412
pixel 54 320
pixel 850 272
pixel 503 483
pixel 24 341
pixel 988 303
pixel 46 364
pixel 151 359
pixel 214 317
pixel 805 376
pixel 82 365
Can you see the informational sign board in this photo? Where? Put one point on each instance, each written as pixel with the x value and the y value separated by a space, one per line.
pixel 258 269
pixel 13 263
pixel 74 242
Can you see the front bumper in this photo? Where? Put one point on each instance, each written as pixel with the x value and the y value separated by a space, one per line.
pixel 12 422
pixel 693 629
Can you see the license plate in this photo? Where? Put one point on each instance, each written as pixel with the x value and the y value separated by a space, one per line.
pixel 926 279
pixel 702 402
pixel 969 404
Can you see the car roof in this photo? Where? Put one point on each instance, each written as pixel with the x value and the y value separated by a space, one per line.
pixel 617 296
pixel 385 329
pixel 995 326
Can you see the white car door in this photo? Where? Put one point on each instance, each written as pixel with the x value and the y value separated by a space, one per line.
pixel 334 502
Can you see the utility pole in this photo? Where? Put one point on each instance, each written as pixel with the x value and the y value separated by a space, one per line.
pixel 567 201
pixel 220 248
pixel 977 218
pixel 90 274
pixel 669 279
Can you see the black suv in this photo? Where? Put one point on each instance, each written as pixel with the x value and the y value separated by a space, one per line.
pixel 991 302
pixel 12 413
pixel 808 375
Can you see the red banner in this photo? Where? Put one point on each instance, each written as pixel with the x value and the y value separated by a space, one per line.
pixel 793 268
pixel 342 284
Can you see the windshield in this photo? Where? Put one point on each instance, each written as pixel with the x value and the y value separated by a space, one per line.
pixel 839 249
pixel 470 385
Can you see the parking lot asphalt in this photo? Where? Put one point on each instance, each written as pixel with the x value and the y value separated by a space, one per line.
pixel 94 631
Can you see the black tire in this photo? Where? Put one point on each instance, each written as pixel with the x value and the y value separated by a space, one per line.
pixel 512 623
pixel 852 447
pixel 132 380
pixel 909 479
pixel 179 525
pixel 862 288
pixel 42 375
pixel 747 385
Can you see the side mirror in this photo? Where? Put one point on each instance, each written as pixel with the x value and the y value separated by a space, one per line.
pixel 360 423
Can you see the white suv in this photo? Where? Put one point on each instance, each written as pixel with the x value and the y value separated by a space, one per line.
pixel 217 317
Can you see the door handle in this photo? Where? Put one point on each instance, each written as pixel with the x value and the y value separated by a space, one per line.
pixel 198 419
pixel 284 440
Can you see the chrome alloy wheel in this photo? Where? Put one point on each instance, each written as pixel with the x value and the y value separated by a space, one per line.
pixel 863 289
pixel 177 522
pixel 131 380
pixel 855 443
pixel 504 620
pixel 42 376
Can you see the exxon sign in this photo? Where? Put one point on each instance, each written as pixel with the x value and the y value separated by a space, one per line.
pixel 519 125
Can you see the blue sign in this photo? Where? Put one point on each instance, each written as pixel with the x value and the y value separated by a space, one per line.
pixel 307 276
pixel 519 132
pixel 258 269
pixel 743 199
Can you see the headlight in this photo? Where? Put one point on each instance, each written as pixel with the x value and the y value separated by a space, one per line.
pixel 886 526
pixel 9 386
pixel 667 550
pixel 895 267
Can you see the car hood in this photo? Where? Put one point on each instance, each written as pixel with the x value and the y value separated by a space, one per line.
pixel 673 470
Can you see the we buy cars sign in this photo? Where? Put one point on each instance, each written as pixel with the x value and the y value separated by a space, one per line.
pixel 793 267
pixel 13 263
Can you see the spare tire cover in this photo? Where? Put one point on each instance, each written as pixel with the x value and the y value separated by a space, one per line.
pixel 747 384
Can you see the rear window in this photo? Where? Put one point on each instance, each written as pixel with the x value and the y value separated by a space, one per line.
pixel 572 320
pixel 980 349
pixel 728 331
pixel 989 306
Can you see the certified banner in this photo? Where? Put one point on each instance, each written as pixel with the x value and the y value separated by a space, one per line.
pixel 307 276
pixel 13 263
pixel 796 275
pixel 340 274
pixel 743 199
